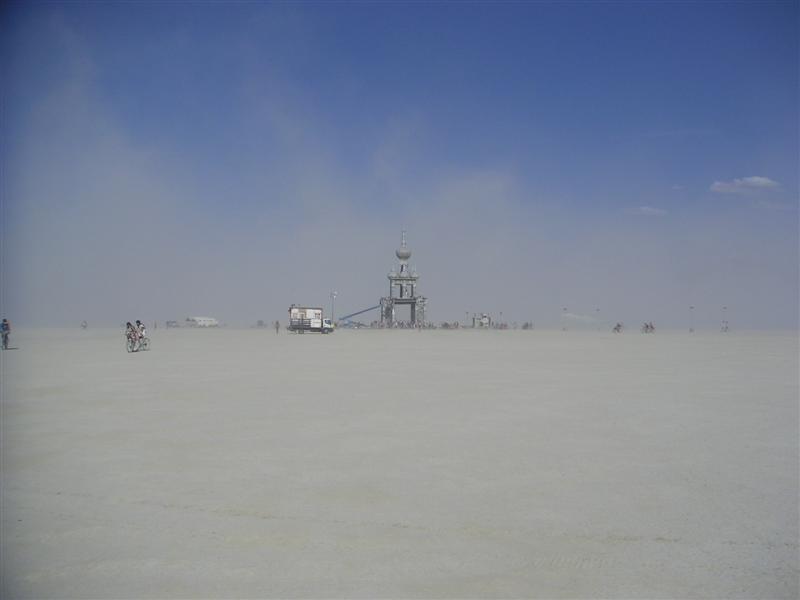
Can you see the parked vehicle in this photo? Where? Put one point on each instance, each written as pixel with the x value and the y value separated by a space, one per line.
pixel 303 319
pixel 201 322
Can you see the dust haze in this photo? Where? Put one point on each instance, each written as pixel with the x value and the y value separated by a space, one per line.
pixel 105 225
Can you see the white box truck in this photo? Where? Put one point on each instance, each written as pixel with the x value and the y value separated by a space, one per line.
pixel 201 322
pixel 304 318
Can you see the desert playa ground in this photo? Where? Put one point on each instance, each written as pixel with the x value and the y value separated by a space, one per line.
pixel 364 464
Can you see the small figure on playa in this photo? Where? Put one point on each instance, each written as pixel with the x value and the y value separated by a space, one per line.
pixel 131 337
pixel 617 328
pixel 648 327
pixel 5 329
pixel 136 337
pixel 84 325
pixel 277 327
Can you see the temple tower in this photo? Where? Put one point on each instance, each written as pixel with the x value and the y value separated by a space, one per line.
pixel 403 291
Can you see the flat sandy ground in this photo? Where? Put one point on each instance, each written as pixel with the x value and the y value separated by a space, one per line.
pixel 232 463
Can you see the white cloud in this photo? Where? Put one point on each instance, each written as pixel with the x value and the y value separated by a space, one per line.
pixel 745 185
pixel 648 211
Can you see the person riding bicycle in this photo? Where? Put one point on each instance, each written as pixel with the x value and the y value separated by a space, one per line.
pixel 132 336
pixel 5 330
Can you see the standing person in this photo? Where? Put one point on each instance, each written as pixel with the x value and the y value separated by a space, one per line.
pixel 277 327
pixel 5 329
pixel 141 329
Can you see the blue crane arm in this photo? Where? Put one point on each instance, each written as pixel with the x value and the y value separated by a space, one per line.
pixel 344 318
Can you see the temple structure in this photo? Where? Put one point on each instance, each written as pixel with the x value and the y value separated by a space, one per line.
pixel 402 292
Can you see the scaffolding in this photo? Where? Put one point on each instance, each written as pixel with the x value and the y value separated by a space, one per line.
pixel 403 292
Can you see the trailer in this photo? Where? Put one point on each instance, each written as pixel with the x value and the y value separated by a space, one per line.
pixel 304 318
pixel 201 322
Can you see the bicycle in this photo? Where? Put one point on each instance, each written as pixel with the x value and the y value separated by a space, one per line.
pixel 131 342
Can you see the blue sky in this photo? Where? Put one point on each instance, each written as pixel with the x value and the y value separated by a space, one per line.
pixel 639 156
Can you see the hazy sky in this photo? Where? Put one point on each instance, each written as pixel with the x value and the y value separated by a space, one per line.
pixel 170 159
